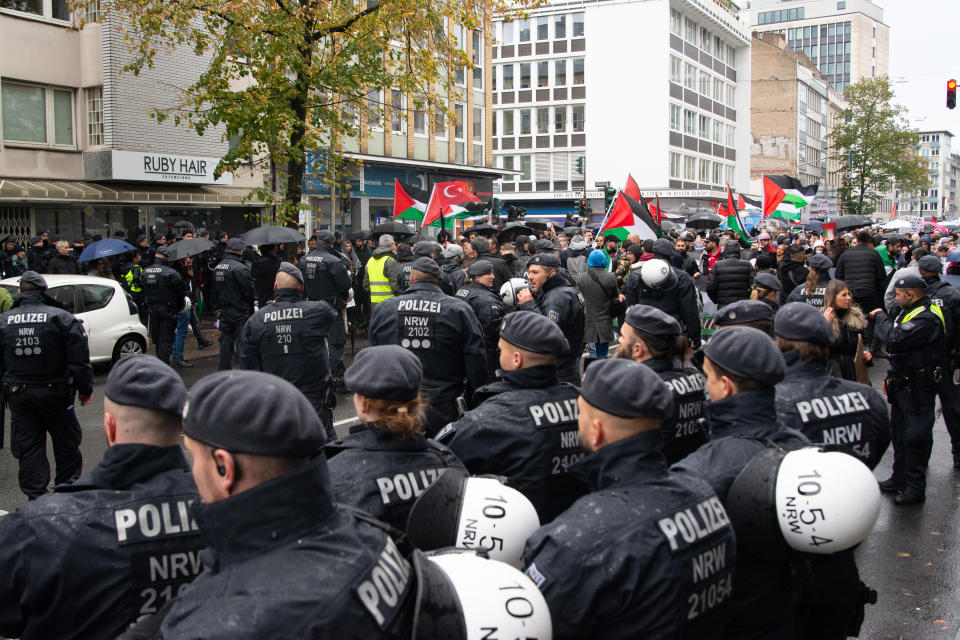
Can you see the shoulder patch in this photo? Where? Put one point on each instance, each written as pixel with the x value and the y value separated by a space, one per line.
pixel 536 575
pixel 443 433
pixel 553 315
pixel 462 293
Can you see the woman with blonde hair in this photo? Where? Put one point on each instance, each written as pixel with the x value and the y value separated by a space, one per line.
pixel 385 463
pixel 848 323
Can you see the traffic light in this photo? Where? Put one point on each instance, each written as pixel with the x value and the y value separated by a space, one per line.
pixel 608 194
pixel 951 94
pixel 582 209
pixel 580 161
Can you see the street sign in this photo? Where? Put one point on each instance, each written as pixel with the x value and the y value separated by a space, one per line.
pixel 601 183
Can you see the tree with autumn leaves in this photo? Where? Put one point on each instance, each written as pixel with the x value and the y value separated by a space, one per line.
pixel 287 77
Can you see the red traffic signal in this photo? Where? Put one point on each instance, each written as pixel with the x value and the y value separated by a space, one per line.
pixel 951 94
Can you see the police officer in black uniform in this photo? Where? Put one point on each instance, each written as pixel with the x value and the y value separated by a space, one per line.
pixel 45 360
pixel 424 249
pixel 164 291
pixel 551 295
pixel 746 313
pixel 676 295
pixel 742 366
pixel 846 416
pixel 444 334
pixel 650 336
pixel 915 343
pixel 326 277
pixel 283 559
pixel 488 306
pixel 525 425
pixel 386 463
pixel 286 338
pixel 235 296
pixel 622 562
pixel 95 555
pixel 947 298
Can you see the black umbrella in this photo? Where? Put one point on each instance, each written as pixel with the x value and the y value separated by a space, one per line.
pixel 187 248
pixel 512 230
pixel 704 221
pixel 814 225
pixel 572 231
pixel 393 228
pixel 852 222
pixel 270 234
pixel 536 224
pixel 483 229
pixel 894 236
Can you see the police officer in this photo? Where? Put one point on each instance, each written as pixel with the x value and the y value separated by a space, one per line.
pixel 386 462
pixel 452 266
pixel 488 306
pixel 326 277
pixel 668 289
pixel 235 296
pixel 524 426
pixel 915 343
pixel 444 334
pixel 650 336
pixel 132 273
pixel 622 561
pixel 77 563
pixel 743 366
pixel 746 313
pixel 814 289
pixel 286 338
pixel 943 295
pixel 45 360
pixel 271 521
pixel 424 249
pixel 164 292
pixel 847 416
pixel 551 295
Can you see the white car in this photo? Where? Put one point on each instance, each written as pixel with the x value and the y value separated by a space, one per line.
pixel 108 314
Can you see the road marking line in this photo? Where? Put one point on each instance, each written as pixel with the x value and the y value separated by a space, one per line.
pixel 345 421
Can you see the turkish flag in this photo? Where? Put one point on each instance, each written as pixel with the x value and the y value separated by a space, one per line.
pixel 447 199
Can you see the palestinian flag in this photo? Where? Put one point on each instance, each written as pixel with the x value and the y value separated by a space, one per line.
pixel 448 200
pixel 631 188
pixel 409 202
pixel 734 223
pixel 748 204
pixel 893 212
pixel 784 196
pixel 630 216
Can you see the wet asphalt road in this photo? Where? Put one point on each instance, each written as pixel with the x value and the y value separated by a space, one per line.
pixel 912 557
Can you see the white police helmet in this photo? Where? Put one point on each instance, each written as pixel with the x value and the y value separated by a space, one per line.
pixel 657 274
pixel 509 290
pixel 809 500
pixel 461 596
pixel 480 514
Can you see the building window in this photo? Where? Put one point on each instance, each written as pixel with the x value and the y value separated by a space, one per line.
pixel 730 135
pixel 524 31
pixel 690 31
pixel 705 84
pixel 398 118
pixel 689 168
pixel 717 173
pixel 841 6
pixel 95 116
pixel 39 115
pixel 690 76
pixel 675 165
pixel 578 77
pixel 689 122
pixel 560 73
pixel 675 117
pixel 578 25
pixel 440 122
pixel 525 122
pixel 560 119
pixel 459 113
pixel 543 28
pixel 543 74
pixel 676 23
pixel 55 9
pixel 704 127
pixel 525 75
pixel 718 132
pixel 507 163
pixel 508 123
pixel 477 60
pixel 543 120
pixel 560 27
pixel 420 122
pixel 705 40
pixel 508 77
pixel 704 170
pixel 374 108
pixel 578 117
pixel 675 70
pixel 525 162
pixel 507 33
pixel 477 124
pixel 93 11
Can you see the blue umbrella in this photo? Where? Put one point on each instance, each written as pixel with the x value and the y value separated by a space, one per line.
pixel 814 225
pixel 104 249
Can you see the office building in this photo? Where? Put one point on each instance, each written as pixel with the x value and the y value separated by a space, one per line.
pixel 938 199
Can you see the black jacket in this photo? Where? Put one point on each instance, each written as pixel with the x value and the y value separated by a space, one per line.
pixel 730 279
pixel 525 429
pixel 563 304
pixel 861 267
pixel 916 344
pixel 325 277
pixel 89 559
pixel 59 264
pixel 286 338
pixel 762 604
pixel 686 430
pixel 163 288
pixel 38 257
pixel 44 344
pixel 501 272
pixel 792 275
pixel 680 302
pixel 848 415
pixel 383 475
pixel 264 273
pixel 947 298
pixel 613 565
pixel 235 291
pixel 284 561
pixel 817 297
pixel 488 306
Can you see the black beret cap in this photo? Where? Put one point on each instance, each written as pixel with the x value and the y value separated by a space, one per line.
pixel 546 260
pixel 663 248
pixel 906 281
pixel 424 248
pixel 804 322
pixel 163 251
pixel 221 234
pixel 742 312
pixel 386 372
pixel 235 244
pixel 930 263
pixel 544 245
pixel 747 353
pixel 253 412
pixel 36 239
pixel 820 262
pixel 533 332
pixel 480 267
pixel 626 389
pixel 428 266
pixel 288 267
pixel 140 380
pixel 643 317
pixel 140 238
pixel 326 236
pixel 34 278
pixel 768 280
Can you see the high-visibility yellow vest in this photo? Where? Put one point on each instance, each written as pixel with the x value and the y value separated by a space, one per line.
pixel 379 284
pixel 934 309
pixel 131 282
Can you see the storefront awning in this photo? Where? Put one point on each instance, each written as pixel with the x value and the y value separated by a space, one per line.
pixel 23 190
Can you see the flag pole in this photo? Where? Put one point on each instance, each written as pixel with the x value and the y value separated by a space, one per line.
pixel 429 204
pixel 609 209
pixel 660 213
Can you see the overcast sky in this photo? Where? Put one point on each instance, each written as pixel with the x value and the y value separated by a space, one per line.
pixel 924 54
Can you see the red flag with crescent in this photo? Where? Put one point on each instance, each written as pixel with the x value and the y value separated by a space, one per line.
pixel 447 200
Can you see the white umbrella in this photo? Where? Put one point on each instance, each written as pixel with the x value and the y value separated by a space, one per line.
pixel 897 224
